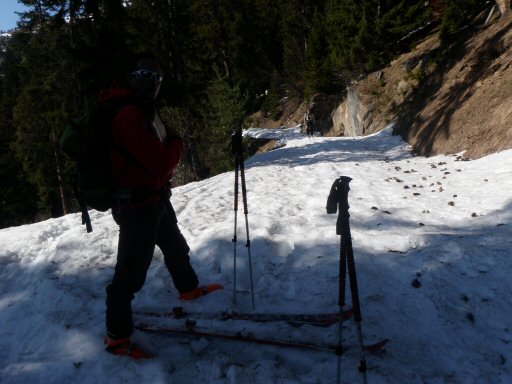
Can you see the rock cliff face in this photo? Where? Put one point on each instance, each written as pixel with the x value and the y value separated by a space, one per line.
pixel 353 117
pixel 347 120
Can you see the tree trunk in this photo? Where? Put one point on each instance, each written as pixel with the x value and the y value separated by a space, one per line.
pixel 65 207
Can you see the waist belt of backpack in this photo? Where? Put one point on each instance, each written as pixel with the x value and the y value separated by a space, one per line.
pixel 128 196
pixel 86 219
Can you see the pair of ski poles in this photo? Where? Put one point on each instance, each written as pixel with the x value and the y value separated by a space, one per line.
pixel 238 152
pixel 338 196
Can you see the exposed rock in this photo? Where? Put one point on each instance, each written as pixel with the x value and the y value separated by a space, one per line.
pixel 402 87
pixel 355 115
pixel 504 6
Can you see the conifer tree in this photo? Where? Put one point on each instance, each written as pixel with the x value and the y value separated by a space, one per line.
pixel 224 114
pixel 363 35
pixel 319 72
pixel 342 25
pixel 296 24
pixel 17 202
pixel 37 116
pixel 458 15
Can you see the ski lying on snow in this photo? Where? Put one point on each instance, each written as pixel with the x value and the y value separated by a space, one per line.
pixel 318 319
pixel 248 337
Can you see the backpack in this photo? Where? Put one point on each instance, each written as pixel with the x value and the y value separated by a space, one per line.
pixel 87 140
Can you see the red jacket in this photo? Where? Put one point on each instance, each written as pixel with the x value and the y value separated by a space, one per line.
pixel 143 162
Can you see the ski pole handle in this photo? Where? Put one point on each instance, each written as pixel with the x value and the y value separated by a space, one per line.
pixel 236 144
pixel 339 196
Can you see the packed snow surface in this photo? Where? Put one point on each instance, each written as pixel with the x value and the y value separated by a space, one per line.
pixel 432 241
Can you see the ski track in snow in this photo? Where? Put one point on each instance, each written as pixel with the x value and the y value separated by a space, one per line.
pixel 439 222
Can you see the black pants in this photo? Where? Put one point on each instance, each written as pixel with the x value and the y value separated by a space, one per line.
pixel 140 230
pixel 309 128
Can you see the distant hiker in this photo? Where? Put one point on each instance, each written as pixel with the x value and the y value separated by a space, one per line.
pixel 144 155
pixel 309 120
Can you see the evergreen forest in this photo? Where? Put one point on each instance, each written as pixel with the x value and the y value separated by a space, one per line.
pixel 222 61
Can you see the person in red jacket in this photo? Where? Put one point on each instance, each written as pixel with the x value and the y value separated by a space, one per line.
pixel 144 155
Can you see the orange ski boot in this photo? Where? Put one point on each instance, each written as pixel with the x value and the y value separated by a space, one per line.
pixel 125 347
pixel 200 291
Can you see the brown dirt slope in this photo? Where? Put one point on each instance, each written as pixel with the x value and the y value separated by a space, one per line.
pixel 462 97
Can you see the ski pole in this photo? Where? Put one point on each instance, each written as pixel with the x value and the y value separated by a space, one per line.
pixel 355 295
pixel 234 230
pixel 339 195
pixel 332 207
pixel 246 213
pixel 341 303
